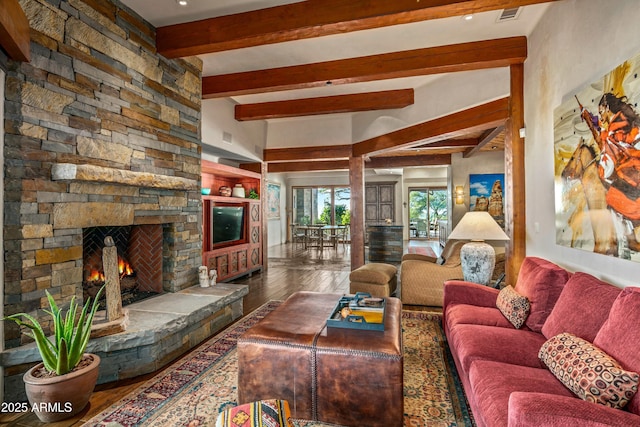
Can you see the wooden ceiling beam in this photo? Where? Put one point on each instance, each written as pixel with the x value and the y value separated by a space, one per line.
pixel 448 143
pixel 15 36
pixel 486 138
pixel 309 19
pixel 307 154
pixel 368 101
pixel 373 163
pixel 482 117
pixel 434 60
pixel 382 162
pixel 325 165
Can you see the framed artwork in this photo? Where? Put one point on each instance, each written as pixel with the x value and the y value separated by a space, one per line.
pixel 597 165
pixel 273 200
pixel 486 194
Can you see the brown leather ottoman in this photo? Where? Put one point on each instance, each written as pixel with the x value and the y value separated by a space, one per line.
pixel 343 376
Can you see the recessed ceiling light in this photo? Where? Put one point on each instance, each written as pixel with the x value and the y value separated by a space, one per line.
pixel 468 17
pixel 182 2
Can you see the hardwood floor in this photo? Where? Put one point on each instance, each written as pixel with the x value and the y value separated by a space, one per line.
pixel 291 269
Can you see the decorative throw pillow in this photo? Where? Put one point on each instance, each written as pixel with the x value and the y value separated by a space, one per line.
pixel 587 371
pixel 440 260
pixel 263 413
pixel 513 306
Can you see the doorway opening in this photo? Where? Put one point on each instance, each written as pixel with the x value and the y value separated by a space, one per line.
pixel 427 205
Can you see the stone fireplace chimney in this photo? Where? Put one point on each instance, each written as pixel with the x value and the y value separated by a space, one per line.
pixel 100 131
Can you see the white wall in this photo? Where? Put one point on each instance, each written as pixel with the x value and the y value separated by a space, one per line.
pixel 247 138
pixel 309 131
pixel 575 43
pixel 440 97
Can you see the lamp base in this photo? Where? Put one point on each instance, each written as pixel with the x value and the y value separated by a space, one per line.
pixel 478 260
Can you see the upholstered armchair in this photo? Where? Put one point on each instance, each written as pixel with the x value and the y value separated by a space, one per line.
pixel 422 277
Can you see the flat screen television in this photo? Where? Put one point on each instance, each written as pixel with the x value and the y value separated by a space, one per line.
pixel 227 224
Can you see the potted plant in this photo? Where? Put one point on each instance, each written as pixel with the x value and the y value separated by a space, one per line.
pixel 60 386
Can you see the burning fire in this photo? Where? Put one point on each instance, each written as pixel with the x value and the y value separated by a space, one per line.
pixel 124 268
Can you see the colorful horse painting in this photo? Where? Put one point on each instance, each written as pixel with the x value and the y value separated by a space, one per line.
pixel 582 166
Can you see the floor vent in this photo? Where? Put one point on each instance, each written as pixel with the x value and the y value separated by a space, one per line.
pixel 509 14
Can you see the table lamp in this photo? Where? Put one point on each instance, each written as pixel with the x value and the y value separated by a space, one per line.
pixel 477 257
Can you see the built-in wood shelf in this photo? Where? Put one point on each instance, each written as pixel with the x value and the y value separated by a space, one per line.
pixel 240 257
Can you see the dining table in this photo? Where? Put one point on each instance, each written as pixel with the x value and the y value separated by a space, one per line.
pixel 316 235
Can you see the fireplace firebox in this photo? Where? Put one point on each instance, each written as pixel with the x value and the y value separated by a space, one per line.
pixel 139 250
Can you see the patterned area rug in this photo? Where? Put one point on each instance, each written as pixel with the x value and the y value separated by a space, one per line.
pixel 195 389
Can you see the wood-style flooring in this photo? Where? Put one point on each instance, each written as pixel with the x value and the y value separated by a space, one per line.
pixel 291 268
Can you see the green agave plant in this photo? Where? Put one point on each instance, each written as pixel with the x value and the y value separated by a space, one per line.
pixel 70 338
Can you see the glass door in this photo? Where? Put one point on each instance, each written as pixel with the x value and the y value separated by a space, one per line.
pixel 321 205
pixel 426 207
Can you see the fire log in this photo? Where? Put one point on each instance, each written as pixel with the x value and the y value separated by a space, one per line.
pixel 112 279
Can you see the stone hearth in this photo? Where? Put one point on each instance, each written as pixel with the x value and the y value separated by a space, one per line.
pixel 161 328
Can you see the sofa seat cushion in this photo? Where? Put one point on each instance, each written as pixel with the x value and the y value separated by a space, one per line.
pixel 540 409
pixel 620 335
pixel 466 314
pixel 493 382
pixel 541 282
pixel 479 342
pixel 582 307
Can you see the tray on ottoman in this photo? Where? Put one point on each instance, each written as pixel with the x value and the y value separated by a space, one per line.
pixel 359 311
pixel 324 373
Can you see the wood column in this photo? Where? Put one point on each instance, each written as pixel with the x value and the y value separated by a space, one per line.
pixel 515 206
pixel 356 182
pixel 263 217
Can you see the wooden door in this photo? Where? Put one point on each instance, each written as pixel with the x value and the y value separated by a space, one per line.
pixel 379 202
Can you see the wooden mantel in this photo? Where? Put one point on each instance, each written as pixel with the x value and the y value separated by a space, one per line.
pixel 14 31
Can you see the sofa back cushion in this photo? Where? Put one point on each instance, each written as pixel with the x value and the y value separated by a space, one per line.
pixel 620 335
pixel 541 282
pixel 582 307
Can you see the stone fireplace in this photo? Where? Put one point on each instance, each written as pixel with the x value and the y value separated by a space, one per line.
pixel 102 132
pixel 104 140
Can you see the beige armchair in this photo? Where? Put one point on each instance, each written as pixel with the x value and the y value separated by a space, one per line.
pixel 422 278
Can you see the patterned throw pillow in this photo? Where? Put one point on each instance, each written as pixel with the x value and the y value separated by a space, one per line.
pixel 513 306
pixel 587 371
pixel 263 413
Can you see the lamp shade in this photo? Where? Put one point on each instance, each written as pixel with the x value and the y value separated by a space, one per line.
pixel 478 226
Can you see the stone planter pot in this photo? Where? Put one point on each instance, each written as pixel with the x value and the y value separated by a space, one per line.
pixel 63 396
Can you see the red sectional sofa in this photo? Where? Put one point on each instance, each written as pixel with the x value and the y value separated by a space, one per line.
pixel 503 377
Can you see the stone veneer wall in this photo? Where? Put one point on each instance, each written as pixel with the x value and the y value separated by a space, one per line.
pixel 100 130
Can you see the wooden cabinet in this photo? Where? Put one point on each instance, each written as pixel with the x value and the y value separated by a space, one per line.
pixel 379 202
pixel 233 246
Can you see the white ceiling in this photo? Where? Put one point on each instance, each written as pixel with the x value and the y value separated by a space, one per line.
pixel 417 35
